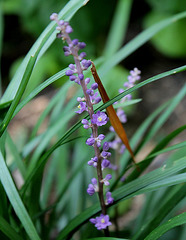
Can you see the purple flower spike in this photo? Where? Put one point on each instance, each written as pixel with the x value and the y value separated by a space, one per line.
pixel 90 141
pixel 101 222
pixel 99 118
pixel 109 198
pixel 82 107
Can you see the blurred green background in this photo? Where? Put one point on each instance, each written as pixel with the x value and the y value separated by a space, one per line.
pixel 22 21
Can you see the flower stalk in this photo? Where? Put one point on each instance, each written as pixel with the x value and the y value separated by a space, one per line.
pixel 90 98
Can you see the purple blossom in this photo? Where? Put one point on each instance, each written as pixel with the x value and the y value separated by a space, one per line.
pixel 95 98
pixel 90 141
pixel 99 139
pixel 82 107
pixel 109 198
pixel 93 162
pixel 85 64
pixel 101 222
pixel 92 188
pixel 121 115
pixel 105 154
pixel 105 164
pixel 106 179
pixel 90 92
pixel 105 146
pixel 99 118
pixel 86 123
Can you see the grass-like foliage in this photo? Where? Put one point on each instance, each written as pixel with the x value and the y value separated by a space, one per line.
pixel 52 201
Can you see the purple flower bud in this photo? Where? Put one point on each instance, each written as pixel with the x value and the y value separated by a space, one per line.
pixel 86 64
pixel 90 141
pixel 93 162
pixel 105 164
pixel 94 86
pixel 54 16
pixel 82 55
pixel 94 181
pixel 61 22
pixel 90 189
pixel 101 136
pixel 69 73
pixel 75 42
pixel 106 179
pixel 72 66
pixel 105 154
pixel 97 100
pixel 106 146
pixel 81 45
pixel 85 121
pixel 81 76
pixel 72 78
pixel 109 199
pixel 89 92
pixel 68 29
pixel 87 80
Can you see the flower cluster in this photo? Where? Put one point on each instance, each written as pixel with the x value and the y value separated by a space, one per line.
pixel 98 119
pixel 132 78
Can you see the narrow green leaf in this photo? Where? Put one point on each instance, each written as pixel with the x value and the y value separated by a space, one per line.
pixel 19 94
pixel 171 223
pixel 168 149
pixel 107 238
pixel 118 27
pixel 16 201
pixel 44 41
pixel 161 213
pixel 7 229
pixel 17 158
pixel 79 124
pixel 137 42
pixel 38 89
pixel 145 163
pixel 1 41
pixel 127 191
